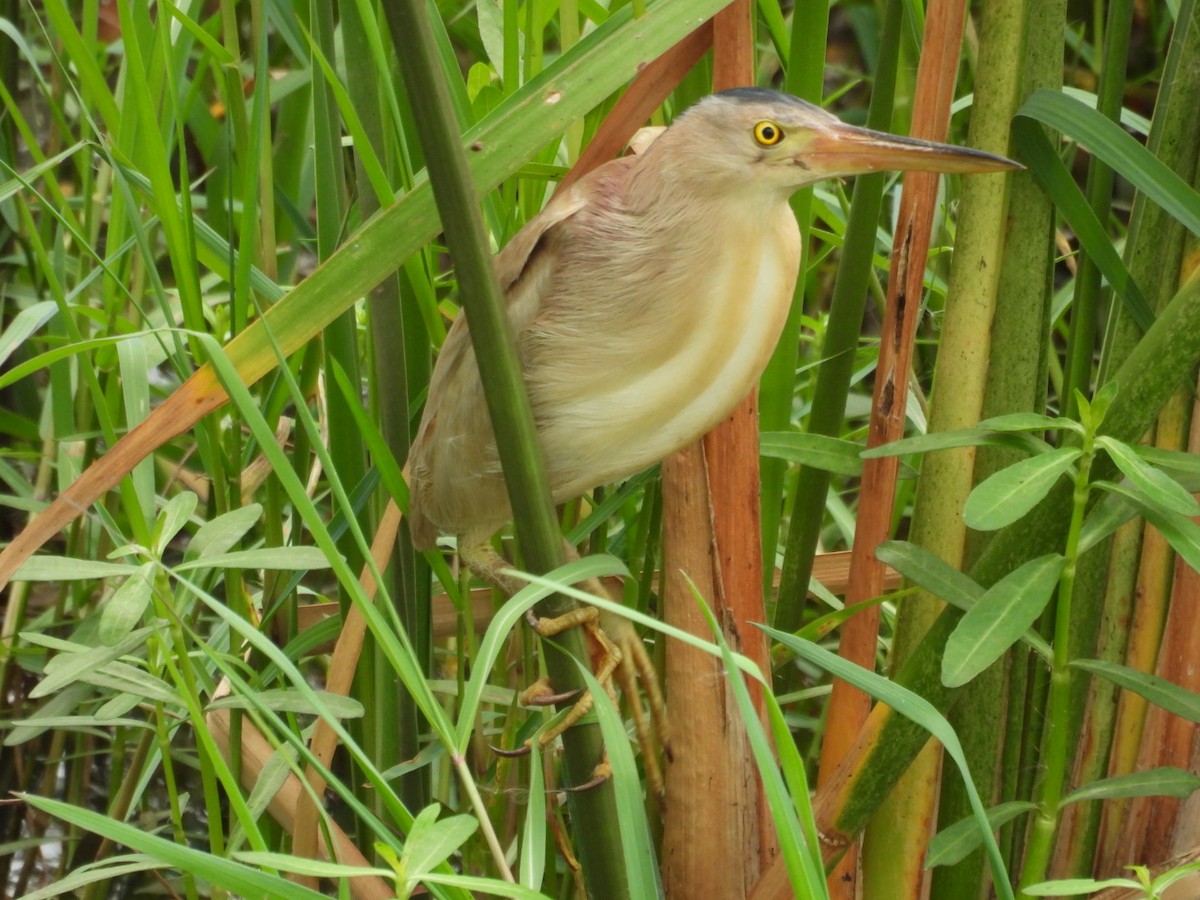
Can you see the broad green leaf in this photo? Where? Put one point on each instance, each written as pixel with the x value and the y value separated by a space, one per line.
pixel 997 621
pixel 1070 887
pixel 944 581
pixel 285 558
pixel 219 535
pixel 817 450
pixel 431 841
pixel 931 572
pixel 1009 494
pixel 122 612
pixel 1173 460
pixel 172 518
pixel 955 842
pixel 1159 691
pixel 1159 488
pixel 1166 781
pixel 293 701
pixel 1104 518
pixel 1100 404
pixel 65 568
pixel 1181 532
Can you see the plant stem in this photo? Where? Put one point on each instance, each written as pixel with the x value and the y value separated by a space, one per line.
pixel 594 811
pixel 485 823
pixel 1082 343
pixel 1050 789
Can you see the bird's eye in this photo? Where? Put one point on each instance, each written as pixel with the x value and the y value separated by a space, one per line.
pixel 767 133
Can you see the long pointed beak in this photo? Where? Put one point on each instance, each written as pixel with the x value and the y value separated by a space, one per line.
pixel 842 149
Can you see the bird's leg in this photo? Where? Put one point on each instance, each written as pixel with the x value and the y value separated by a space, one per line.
pixel 618 653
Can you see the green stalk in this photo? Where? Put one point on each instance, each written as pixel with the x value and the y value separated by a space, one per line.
pixel 398 738
pixel 1081 347
pixel 340 337
pixel 841 341
pixel 1016 380
pixel 900 828
pixel 1154 252
pixel 1147 380
pixel 1058 738
pixel 805 79
pixel 1154 248
pixel 594 811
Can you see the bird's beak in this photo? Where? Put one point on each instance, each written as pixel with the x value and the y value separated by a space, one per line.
pixel 842 149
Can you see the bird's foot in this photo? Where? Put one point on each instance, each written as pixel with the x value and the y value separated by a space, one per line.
pixel 619 654
pixel 605 660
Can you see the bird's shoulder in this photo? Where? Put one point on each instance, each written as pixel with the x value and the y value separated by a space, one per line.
pixel 592 193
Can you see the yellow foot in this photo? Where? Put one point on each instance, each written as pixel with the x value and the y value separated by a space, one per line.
pixel 620 654
pixel 617 653
pixel 585 617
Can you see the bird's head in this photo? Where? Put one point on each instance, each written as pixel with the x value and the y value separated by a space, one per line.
pixel 755 136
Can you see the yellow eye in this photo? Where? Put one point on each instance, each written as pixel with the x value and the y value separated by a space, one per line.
pixel 767 133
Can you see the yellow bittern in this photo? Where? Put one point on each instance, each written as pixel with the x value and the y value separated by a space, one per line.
pixel 646 300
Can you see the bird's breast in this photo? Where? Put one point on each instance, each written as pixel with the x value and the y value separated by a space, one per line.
pixel 692 348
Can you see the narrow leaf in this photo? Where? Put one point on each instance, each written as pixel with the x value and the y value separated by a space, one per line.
pixel 64 568
pixel 942 580
pixel 931 572
pixel 999 619
pixel 1159 488
pixel 1012 492
pixel 219 535
pixel 290 700
pixel 430 843
pixel 1108 141
pixel 1158 691
pixel 1070 887
pixel 123 611
pixel 954 843
pixel 817 450
pixel 1028 421
pixel 285 558
pixel 1166 781
pixel 919 710
pixel 942 440
pixel 1181 532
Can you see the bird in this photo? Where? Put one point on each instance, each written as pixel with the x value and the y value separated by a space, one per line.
pixel 646 299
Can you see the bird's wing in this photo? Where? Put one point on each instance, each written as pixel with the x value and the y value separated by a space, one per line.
pixel 454 444
pixel 520 252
